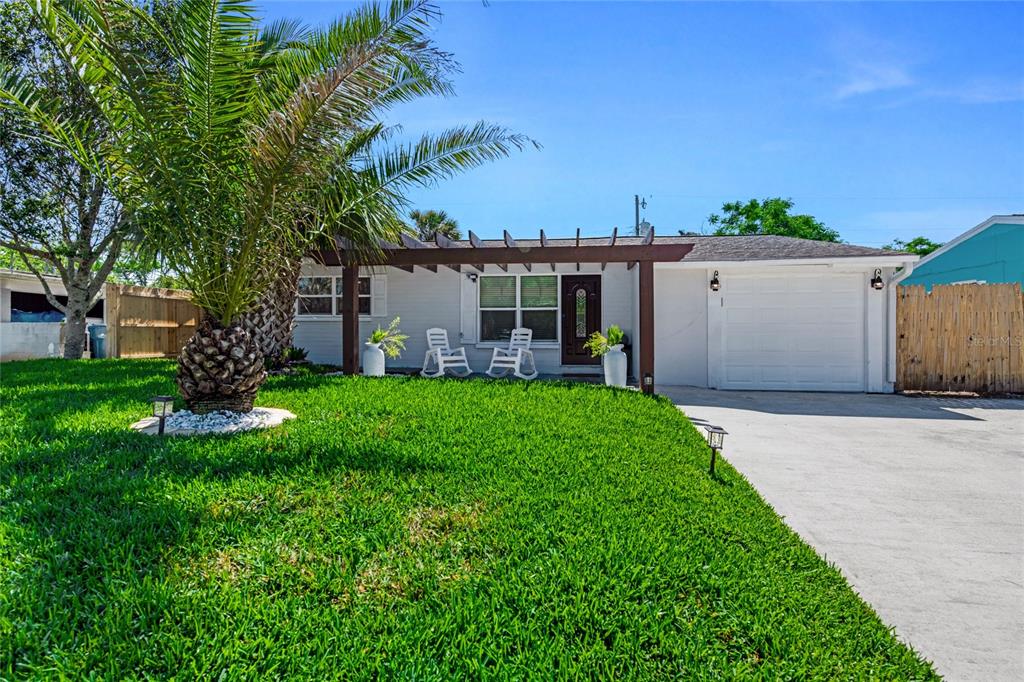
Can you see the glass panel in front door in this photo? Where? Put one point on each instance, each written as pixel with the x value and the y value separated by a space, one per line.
pixel 581 313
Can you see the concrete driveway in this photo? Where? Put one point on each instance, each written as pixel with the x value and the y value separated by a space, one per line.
pixel 919 501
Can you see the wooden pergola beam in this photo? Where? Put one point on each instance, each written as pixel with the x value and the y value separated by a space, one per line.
pixel 544 244
pixel 444 243
pixel 350 319
pixel 475 242
pixel 646 327
pixel 611 242
pixel 622 253
pixel 511 244
pixel 411 242
pixel 577 246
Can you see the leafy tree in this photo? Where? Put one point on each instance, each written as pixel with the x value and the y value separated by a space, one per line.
pixel 920 246
pixel 12 260
pixel 56 214
pixel 428 224
pixel 251 145
pixel 137 267
pixel 771 216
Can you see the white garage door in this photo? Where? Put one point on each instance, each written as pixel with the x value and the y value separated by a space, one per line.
pixel 793 332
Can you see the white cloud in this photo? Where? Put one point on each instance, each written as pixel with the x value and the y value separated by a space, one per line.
pixel 864 78
pixel 864 62
pixel 891 76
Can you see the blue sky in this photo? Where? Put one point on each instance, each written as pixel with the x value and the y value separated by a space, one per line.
pixel 883 120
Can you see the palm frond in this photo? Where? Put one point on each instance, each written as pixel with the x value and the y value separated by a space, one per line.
pixel 436 157
pixel 344 74
pixel 242 146
pixel 378 188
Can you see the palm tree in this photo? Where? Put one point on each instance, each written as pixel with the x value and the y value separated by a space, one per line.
pixel 429 224
pixel 246 145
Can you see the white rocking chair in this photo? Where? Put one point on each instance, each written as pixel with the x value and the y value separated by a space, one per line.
pixel 517 358
pixel 443 356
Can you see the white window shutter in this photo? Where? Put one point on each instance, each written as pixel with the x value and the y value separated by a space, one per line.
pixel 378 296
pixel 468 326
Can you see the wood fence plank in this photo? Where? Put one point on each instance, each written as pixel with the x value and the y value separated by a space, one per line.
pixel 962 337
pixel 148 322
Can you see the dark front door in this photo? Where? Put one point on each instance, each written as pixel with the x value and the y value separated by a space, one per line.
pixel 581 317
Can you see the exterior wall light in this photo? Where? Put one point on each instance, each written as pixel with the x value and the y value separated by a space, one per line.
pixel 715 284
pixel 876 281
pixel 163 407
pixel 472 277
pixel 716 438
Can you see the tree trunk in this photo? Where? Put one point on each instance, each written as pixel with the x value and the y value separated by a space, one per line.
pixel 271 322
pixel 79 302
pixel 220 368
pixel 74 334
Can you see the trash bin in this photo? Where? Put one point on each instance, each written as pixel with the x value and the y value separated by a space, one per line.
pixel 98 340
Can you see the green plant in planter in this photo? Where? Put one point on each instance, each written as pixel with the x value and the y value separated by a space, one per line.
pixel 294 354
pixel 391 340
pixel 599 344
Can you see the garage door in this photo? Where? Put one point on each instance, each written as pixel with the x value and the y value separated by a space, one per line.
pixel 793 332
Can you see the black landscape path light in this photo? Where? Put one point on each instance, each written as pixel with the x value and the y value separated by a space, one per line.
pixel 163 406
pixel 716 437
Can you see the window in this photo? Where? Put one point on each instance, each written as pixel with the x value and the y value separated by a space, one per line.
pixel 315 296
pixel 510 301
pixel 30 302
pixel 322 296
pixel 364 295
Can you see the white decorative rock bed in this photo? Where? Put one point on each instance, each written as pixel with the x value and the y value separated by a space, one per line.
pixel 184 423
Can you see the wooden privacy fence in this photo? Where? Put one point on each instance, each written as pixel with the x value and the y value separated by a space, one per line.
pixel 960 337
pixel 143 322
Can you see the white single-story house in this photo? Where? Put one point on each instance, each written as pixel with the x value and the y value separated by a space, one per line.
pixel 29 326
pixel 735 312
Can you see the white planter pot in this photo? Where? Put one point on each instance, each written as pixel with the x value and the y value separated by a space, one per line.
pixel 614 362
pixel 373 360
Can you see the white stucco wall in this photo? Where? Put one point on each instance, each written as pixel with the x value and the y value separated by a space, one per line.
pixel 26 340
pixel 680 327
pixel 688 320
pixel 447 299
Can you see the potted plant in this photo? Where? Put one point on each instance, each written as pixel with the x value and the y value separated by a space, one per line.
pixel 390 342
pixel 609 349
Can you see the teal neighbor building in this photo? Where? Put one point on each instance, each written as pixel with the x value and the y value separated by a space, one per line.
pixel 990 253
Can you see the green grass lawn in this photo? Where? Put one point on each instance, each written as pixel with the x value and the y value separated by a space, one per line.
pixel 400 528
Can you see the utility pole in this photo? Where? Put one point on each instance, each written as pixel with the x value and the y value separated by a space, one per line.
pixel 638 203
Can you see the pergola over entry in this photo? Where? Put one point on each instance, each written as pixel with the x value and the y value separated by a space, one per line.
pixel 476 254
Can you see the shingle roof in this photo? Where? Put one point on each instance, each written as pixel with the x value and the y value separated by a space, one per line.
pixel 723 248
pixel 770 247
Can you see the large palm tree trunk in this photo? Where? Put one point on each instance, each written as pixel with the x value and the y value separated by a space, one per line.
pixel 271 322
pixel 220 368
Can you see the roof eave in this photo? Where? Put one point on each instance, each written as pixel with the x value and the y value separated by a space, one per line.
pixel 879 261
pixel 959 239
